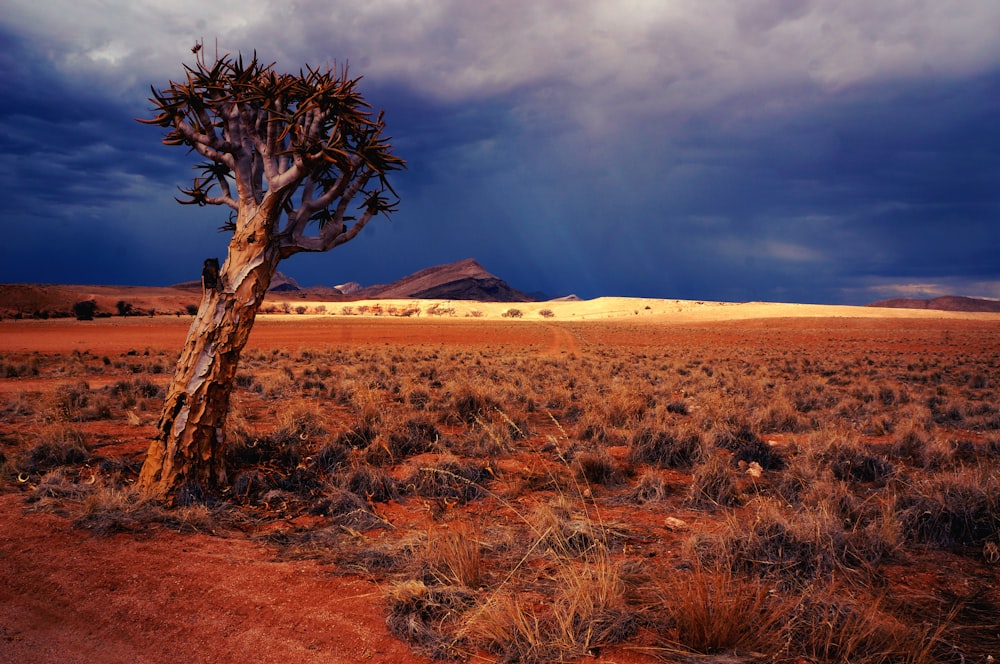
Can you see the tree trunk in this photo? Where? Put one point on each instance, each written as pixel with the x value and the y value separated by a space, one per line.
pixel 189 449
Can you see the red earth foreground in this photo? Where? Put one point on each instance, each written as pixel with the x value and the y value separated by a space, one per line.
pixel 67 595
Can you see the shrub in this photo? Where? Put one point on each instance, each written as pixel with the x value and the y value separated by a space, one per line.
pixel 802 545
pixel 668 447
pixel 85 310
pixel 418 614
pixel 711 610
pixel 57 446
pixel 512 313
pixel 452 481
pixel 597 468
pixel 848 460
pixel 960 508
pixel 374 484
pixel 714 484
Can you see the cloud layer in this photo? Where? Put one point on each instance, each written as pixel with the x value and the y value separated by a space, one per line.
pixel 790 149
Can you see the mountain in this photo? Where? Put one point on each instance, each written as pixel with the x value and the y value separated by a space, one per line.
pixel 944 303
pixel 462 280
pixel 283 283
pixel 279 283
pixel 350 288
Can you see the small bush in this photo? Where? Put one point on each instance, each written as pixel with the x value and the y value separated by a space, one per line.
pixel 714 484
pixel 85 310
pixel 597 468
pixel 712 610
pixel 668 447
pixel 960 508
pixel 57 446
pixel 849 461
pixel 374 484
pixel 452 481
pixel 345 508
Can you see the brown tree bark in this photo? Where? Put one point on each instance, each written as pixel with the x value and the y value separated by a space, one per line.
pixel 297 149
pixel 189 449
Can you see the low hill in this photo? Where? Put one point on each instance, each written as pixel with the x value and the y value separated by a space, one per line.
pixel 462 280
pixel 52 300
pixel 280 283
pixel 944 303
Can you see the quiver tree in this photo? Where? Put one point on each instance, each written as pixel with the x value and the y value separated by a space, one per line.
pixel 287 153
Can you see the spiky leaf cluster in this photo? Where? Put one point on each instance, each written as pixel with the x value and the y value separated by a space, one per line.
pixel 309 139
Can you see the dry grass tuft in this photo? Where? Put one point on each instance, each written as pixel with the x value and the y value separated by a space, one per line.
pixel 710 610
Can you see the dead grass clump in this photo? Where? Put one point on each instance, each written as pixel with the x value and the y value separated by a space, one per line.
pixel 130 393
pixel 77 403
pixel 331 456
pixel 360 436
pixel 802 545
pixel 585 610
pixel 714 484
pixel 71 398
pixel 249 486
pixel 711 610
pixel 451 480
pixel 489 439
pixel 597 468
pixel 374 484
pixel 280 449
pixel 345 508
pixel 848 460
pixel 453 557
pixel 469 404
pixel 951 509
pixel 55 491
pixel 623 407
pixel 108 511
pixel 678 447
pixel 781 416
pixel 828 627
pixel 425 615
pixel 651 488
pixel 57 445
pixel 746 446
pixel 594 427
pixel 400 440
pixel 914 445
pixel 567 532
pixel 415 436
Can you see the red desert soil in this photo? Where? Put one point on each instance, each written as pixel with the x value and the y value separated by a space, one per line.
pixel 67 595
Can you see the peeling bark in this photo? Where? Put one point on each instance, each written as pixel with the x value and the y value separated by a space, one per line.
pixel 314 142
pixel 190 444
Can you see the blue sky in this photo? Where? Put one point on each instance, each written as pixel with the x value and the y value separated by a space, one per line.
pixel 779 150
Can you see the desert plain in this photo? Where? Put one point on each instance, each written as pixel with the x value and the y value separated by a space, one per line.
pixel 615 480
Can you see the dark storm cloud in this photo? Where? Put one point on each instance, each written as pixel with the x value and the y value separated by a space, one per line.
pixel 802 150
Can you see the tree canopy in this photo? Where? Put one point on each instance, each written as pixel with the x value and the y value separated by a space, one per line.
pixel 308 139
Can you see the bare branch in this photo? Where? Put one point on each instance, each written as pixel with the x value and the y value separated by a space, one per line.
pixel 309 138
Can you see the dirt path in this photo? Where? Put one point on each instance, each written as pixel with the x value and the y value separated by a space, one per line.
pixel 563 340
pixel 68 596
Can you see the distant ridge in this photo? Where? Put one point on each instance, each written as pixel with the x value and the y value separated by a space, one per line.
pixel 462 280
pixel 279 283
pixel 943 303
